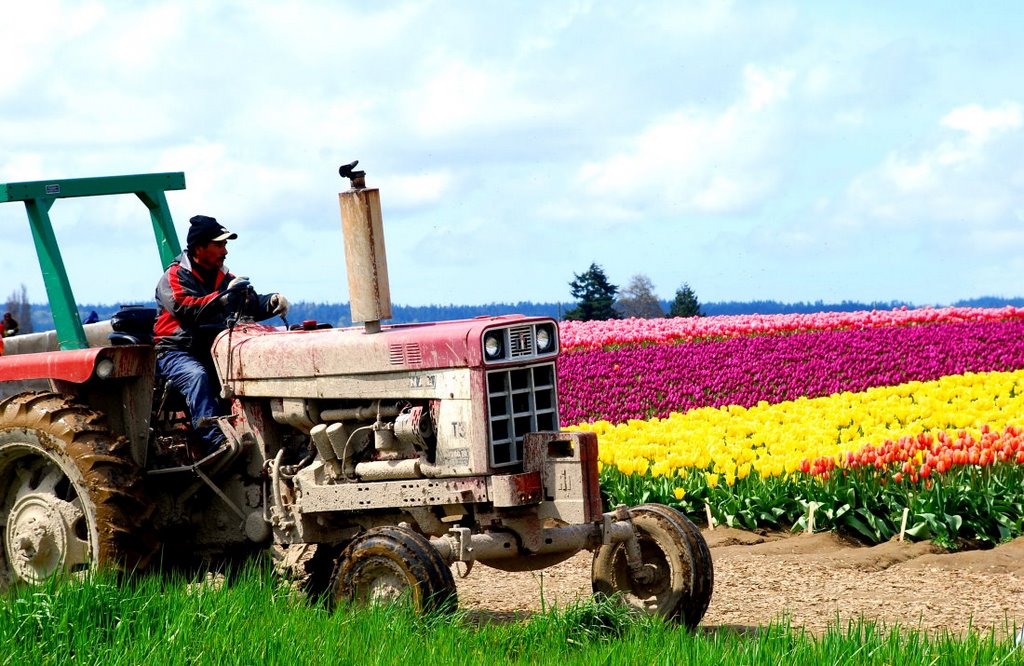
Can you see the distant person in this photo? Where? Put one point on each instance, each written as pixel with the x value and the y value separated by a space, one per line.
pixel 10 325
pixel 92 318
pixel 194 298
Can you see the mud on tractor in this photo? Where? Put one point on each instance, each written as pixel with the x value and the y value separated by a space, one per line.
pixel 369 459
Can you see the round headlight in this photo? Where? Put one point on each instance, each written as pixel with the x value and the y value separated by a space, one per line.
pixel 544 339
pixel 492 345
pixel 105 368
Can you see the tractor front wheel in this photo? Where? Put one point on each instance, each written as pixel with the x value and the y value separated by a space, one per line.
pixel 677 577
pixel 69 493
pixel 391 564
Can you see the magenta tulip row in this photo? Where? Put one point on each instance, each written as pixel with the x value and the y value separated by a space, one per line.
pixel 641 382
pixel 600 334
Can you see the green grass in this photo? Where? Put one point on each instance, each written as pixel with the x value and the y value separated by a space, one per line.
pixel 253 621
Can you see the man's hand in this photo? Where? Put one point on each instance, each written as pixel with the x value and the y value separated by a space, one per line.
pixel 236 285
pixel 279 304
pixel 240 282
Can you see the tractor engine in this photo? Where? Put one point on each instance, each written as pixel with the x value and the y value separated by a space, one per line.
pixel 455 409
pixel 413 401
pixel 435 425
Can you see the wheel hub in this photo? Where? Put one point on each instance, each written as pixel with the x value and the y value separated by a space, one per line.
pixel 383 586
pixel 647 574
pixel 37 538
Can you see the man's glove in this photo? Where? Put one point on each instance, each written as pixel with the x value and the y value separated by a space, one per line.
pixel 238 283
pixel 279 305
pixel 232 293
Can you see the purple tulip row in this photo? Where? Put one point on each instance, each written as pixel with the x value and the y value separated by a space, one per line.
pixel 619 332
pixel 654 381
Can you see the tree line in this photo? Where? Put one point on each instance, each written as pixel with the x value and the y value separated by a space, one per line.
pixel 598 298
pixel 593 297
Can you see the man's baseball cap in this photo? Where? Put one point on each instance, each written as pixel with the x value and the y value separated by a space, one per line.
pixel 206 229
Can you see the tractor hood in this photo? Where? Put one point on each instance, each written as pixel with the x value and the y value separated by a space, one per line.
pixel 258 360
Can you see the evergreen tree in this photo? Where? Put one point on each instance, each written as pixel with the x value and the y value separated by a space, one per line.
pixel 595 296
pixel 685 303
pixel 637 299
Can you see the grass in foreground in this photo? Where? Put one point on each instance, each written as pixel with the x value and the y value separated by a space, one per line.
pixel 253 621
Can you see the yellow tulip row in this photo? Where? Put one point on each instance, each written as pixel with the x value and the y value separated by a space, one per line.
pixel 771 440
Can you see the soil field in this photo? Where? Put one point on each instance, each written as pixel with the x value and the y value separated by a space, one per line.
pixel 809 580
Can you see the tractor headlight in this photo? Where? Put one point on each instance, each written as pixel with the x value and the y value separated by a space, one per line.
pixel 545 339
pixel 493 346
pixel 105 368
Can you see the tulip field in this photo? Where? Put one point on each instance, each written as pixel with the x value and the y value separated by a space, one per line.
pixel 874 424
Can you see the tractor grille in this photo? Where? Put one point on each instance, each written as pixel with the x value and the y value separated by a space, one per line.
pixel 520 341
pixel 520 400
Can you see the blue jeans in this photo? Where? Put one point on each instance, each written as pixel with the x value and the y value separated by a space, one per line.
pixel 192 379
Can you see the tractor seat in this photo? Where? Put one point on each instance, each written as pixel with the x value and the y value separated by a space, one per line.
pixel 133 325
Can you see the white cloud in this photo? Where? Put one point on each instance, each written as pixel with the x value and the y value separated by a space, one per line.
pixel 714 19
pixel 138 42
pixel 453 98
pixel 557 124
pixel 981 124
pixel 241 193
pixel 851 118
pixel 766 88
pixel 414 190
pixel 962 179
pixel 32 35
pixel 696 160
pixel 997 241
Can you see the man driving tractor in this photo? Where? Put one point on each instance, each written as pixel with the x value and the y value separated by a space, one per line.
pixel 194 298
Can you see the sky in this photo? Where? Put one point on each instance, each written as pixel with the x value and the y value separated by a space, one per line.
pixel 789 151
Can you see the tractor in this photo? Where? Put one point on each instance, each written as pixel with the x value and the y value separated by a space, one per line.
pixel 368 459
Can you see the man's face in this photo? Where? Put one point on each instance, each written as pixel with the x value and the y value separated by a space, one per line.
pixel 211 255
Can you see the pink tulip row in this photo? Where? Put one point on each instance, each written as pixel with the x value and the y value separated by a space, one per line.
pixel 600 334
pixel 641 382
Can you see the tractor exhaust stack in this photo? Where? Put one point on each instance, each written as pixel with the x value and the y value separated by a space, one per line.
pixel 365 257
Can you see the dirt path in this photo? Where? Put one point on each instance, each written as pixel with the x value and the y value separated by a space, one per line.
pixel 811 579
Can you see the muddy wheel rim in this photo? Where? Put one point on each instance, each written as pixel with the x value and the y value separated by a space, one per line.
pixel 649 593
pixel 654 590
pixel 381 582
pixel 45 526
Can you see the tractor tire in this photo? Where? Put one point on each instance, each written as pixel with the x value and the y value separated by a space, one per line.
pixel 676 559
pixel 391 564
pixel 70 493
pixel 704 578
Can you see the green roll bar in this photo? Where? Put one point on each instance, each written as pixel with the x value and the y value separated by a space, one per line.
pixel 39 197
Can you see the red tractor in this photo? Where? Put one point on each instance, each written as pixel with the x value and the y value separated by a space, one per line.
pixel 370 459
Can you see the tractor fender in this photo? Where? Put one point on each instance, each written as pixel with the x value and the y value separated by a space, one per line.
pixel 75 365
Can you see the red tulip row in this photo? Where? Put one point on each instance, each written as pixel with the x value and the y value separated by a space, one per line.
pixel 917 458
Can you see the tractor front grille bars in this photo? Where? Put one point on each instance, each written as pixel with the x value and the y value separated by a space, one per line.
pixel 520 400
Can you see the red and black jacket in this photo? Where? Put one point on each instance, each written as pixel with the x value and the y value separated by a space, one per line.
pixel 189 313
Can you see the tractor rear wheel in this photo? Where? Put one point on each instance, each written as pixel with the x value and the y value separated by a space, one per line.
pixel 677 577
pixel 389 564
pixel 70 498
